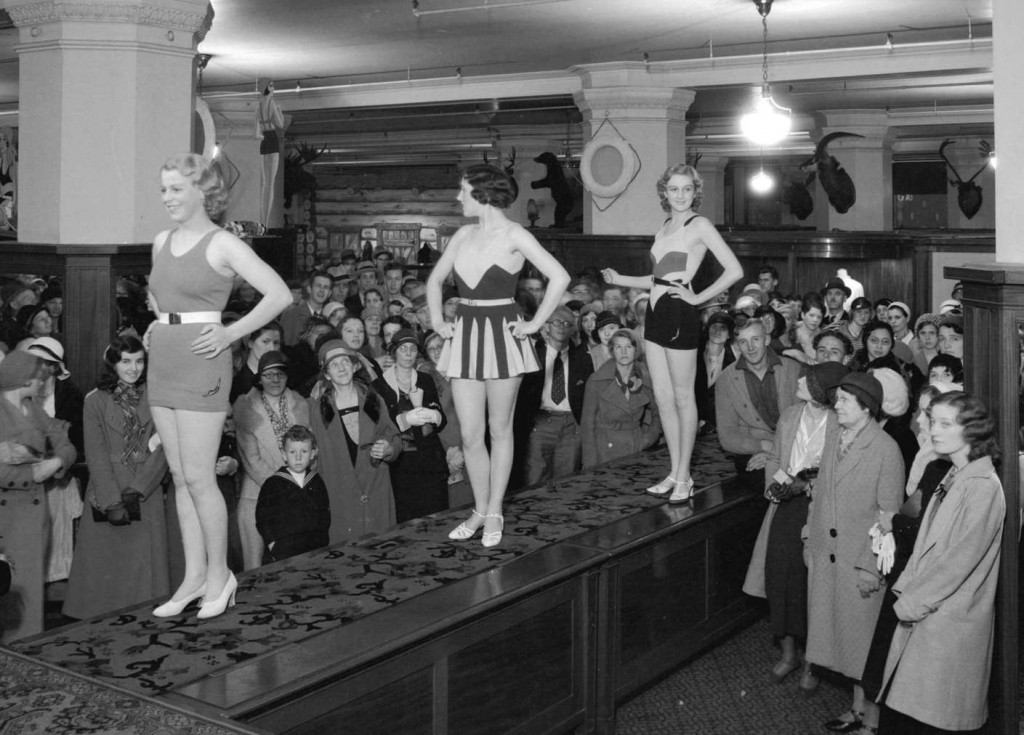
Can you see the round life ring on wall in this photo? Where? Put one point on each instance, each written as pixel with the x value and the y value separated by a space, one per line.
pixel 205 136
pixel 630 165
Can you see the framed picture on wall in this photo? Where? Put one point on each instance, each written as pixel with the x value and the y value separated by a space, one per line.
pixel 401 239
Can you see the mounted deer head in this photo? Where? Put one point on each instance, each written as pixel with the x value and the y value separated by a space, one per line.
pixel 968 194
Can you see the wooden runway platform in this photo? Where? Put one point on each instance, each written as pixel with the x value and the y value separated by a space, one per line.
pixel 595 590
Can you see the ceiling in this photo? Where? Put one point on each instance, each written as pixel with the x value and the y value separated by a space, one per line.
pixel 351 70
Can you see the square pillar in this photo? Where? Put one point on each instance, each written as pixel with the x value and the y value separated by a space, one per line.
pixel 621 102
pixel 994 311
pixel 105 97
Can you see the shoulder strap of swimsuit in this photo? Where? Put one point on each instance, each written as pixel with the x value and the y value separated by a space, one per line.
pixel 205 239
pixel 690 220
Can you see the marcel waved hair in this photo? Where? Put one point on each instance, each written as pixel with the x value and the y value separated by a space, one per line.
pixel 979 428
pixel 683 170
pixel 490 185
pixel 205 177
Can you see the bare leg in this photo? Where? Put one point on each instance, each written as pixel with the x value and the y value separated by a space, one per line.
pixel 252 543
pixel 664 396
pixel 268 175
pixel 862 704
pixel 789 660
pixel 501 405
pixel 470 397
pixel 202 514
pixel 682 368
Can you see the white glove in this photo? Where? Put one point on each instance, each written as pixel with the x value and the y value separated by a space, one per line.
pixel 883 545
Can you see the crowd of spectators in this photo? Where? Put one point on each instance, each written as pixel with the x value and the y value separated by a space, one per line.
pixel 822 399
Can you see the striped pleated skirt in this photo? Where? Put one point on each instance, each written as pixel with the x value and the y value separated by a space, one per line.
pixel 483 347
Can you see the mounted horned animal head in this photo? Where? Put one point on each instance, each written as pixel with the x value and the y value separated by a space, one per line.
pixel 838 185
pixel 797 195
pixel 968 194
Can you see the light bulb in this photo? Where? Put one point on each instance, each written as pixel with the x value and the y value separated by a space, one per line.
pixel 767 124
pixel 761 183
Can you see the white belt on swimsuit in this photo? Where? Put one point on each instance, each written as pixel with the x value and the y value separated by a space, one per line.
pixel 189 317
pixel 487 302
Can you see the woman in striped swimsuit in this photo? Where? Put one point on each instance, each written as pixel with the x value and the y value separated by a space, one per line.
pixel 489 346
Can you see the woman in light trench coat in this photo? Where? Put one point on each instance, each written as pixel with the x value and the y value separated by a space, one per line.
pixel 940 659
pixel 861 473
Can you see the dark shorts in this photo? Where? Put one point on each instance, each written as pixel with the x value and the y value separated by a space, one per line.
pixel 270 143
pixel 673 324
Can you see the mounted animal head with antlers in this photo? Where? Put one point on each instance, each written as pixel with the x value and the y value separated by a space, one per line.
pixel 968 194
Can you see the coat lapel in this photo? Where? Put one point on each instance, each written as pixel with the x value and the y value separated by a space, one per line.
pixel 614 395
pixel 859 452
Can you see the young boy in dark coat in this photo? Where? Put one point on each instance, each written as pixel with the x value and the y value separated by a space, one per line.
pixel 293 512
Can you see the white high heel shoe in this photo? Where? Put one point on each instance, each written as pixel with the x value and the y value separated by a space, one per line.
pixel 462 532
pixel 493 538
pixel 663 488
pixel 213 608
pixel 175 607
pixel 682 493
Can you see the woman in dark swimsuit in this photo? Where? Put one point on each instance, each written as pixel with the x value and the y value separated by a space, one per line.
pixel 673 323
pixel 489 346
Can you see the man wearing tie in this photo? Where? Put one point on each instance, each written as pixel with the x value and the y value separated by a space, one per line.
pixel 554 399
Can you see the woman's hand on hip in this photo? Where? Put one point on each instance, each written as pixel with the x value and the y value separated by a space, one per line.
pixel 683 292
pixel 445 329
pixel 522 329
pixel 212 341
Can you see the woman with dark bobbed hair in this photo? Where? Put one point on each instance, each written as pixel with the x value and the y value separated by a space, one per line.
pixel 489 345
pixel 672 330
pixel 121 557
pixel 190 366
pixel 940 658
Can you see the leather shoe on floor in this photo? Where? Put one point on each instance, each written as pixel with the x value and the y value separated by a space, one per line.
pixel 844 724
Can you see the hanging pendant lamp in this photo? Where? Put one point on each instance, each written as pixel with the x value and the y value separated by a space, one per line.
pixel 769 123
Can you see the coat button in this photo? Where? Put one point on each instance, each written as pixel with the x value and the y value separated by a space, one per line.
pixel 3 502
pixel 832 558
pixel 832 532
pixel 35 502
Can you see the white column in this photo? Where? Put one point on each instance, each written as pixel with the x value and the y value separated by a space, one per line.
pixel 105 96
pixel 712 170
pixel 1008 56
pixel 651 119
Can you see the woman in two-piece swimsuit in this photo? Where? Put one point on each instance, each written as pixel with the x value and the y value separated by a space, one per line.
pixel 673 324
pixel 489 347
pixel 190 365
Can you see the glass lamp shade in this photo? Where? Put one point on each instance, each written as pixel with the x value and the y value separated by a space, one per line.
pixel 761 183
pixel 768 124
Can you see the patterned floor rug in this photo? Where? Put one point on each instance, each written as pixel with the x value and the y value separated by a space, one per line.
pixel 40 698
